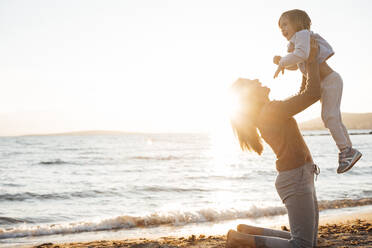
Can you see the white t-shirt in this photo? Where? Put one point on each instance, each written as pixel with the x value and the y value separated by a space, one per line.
pixel 301 42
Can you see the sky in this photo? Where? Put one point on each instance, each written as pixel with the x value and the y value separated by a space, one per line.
pixel 160 66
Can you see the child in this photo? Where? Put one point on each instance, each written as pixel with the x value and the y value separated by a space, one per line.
pixel 295 27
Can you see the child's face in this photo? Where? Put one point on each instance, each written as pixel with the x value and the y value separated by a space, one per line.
pixel 287 29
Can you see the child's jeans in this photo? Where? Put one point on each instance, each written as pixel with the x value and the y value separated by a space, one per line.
pixel 331 93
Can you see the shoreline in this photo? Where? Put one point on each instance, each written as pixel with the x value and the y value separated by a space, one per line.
pixel 350 230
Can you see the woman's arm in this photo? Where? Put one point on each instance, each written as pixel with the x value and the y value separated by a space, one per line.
pixel 311 92
pixel 303 84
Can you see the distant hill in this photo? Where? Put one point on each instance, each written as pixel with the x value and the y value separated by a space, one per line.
pixel 351 121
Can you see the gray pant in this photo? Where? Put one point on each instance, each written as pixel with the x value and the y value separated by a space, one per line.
pixel 331 93
pixel 296 189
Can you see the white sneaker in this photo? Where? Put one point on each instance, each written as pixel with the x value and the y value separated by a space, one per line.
pixel 347 159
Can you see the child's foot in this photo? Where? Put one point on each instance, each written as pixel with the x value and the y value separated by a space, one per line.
pixel 347 158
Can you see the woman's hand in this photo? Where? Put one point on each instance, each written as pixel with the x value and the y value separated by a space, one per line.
pixel 314 49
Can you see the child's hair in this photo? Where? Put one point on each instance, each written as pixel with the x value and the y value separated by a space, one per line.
pixel 298 18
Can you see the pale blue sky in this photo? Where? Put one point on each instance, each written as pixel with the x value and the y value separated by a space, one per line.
pixel 160 65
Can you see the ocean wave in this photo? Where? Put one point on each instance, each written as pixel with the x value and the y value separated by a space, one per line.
pixel 345 203
pixel 53 196
pixel 328 134
pixel 10 154
pixel 70 149
pixel 209 177
pixel 168 189
pixel 11 184
pixel 9 220
pixel 175 218
pixel 125 222
pixel 170 157
pixel 56 161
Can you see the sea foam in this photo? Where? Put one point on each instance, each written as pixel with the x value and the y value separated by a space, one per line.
pixel 156 219
pixel 175 218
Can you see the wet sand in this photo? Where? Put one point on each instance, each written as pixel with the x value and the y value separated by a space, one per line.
pixel 341 231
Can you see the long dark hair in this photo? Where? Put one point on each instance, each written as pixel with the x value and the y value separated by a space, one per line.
pixel 243 122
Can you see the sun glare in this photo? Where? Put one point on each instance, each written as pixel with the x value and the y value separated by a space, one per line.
pixel 224 146
pixel 232 106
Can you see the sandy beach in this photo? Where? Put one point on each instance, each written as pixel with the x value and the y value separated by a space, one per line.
pixel 353 230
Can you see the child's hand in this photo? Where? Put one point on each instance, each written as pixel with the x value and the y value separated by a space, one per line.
pixel 280 69
pixel 277 59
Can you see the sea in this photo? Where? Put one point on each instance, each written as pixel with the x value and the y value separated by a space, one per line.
pixel 63 188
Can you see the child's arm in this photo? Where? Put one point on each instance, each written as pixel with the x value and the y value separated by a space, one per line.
pixel 281 69
pixel 301 50
pixel 278 70
pixel 277 59
pixel 292 67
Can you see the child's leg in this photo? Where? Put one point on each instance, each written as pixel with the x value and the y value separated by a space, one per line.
pixel 331 95
pixel 346 134
pixel 331 99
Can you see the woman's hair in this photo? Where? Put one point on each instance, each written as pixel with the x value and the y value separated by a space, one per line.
pixel 244 121
pixel 298 18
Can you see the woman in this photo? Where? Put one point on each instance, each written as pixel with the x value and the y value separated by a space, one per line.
pixel 295 180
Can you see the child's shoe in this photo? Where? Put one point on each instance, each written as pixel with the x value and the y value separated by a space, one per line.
pixel 347 158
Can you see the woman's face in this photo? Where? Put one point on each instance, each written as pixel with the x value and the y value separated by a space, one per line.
pixel 254 90
pixel 247 95
pixel 287 29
